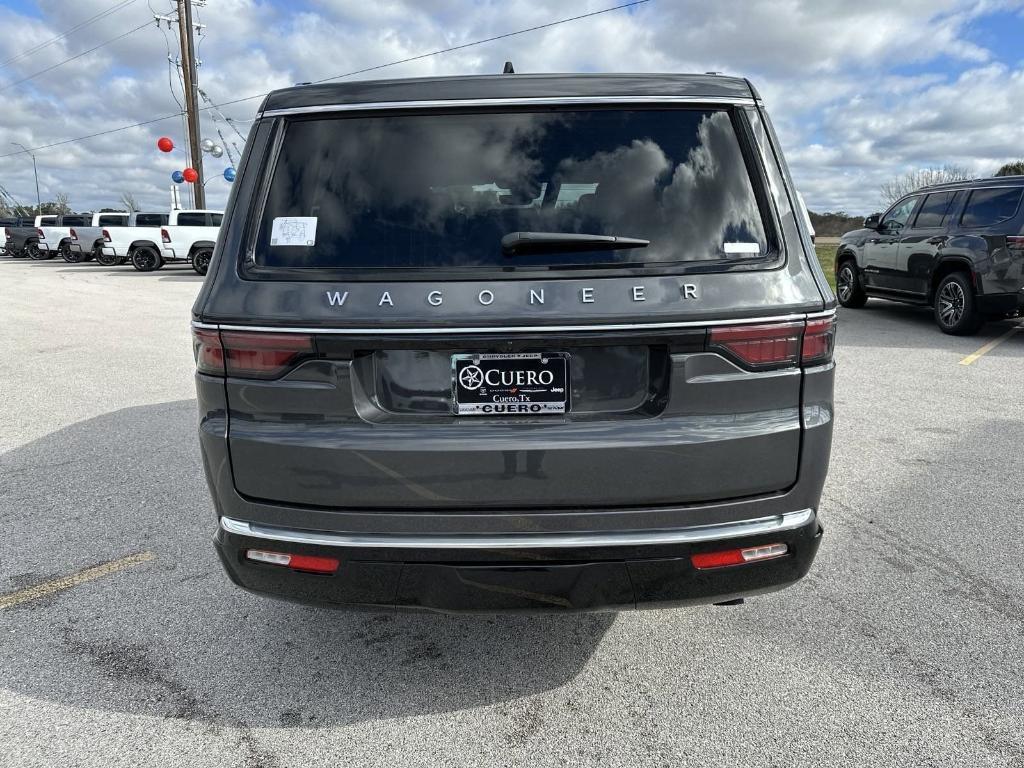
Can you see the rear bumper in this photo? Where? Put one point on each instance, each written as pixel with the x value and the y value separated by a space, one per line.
pixel 528 572
pixel 108 251
pixel 1001 303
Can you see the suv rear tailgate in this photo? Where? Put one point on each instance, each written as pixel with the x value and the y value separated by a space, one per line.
pixel 368 424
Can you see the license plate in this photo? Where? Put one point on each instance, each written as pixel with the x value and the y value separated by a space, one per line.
pixel 510 384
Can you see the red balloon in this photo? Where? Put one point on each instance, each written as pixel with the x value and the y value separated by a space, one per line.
pixel 164 144
pixel 190 175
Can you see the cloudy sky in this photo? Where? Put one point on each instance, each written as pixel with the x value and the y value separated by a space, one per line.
pixel 859 92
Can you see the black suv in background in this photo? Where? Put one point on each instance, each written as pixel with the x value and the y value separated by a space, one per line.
pixel 958 247
pixel 515 343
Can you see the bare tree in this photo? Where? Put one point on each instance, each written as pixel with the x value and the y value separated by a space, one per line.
pixel 129 202
pixel 1012 169
pixel 62 202
pixel 893 190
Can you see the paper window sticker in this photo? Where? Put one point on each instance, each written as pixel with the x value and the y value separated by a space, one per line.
pixel 293 230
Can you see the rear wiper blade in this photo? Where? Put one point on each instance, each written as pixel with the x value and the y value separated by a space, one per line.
pixel 565 242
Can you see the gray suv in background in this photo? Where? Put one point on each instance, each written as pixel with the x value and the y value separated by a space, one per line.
pixel 515 343
pixel 956 247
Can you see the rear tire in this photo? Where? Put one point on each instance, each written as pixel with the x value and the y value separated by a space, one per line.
pixel 33 252
pixel 70 256
pixel 146 259
pixel 104 260
pixel 849 291
pixel 956 310
pixel 201 260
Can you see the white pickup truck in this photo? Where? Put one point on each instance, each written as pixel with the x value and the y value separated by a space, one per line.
pixel 55 236
pixel 188 236
pixel 87 241
pixel 140 235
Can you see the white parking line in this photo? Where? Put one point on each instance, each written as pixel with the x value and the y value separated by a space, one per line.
pixel 67 582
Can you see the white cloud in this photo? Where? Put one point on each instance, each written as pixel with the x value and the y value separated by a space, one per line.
pixel 858 92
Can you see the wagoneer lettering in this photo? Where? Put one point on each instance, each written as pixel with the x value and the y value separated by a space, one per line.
pixel 536 296
pixel 521 366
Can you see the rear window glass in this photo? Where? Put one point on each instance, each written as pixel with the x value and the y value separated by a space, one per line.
pixel 216 219
pixel 192 219
pixel 113 221
pixel 989 206
pixel 151 219
pixel 441 191
pixel 74 221
pixel 933 210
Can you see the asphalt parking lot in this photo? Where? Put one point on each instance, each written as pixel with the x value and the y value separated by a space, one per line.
pixel 902 647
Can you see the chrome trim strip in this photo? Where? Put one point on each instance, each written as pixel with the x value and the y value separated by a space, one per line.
pixel 378 331
pixel 525 101
pixel 823 313
pixel 693 534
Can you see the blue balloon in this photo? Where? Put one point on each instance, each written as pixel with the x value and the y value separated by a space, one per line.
pixel 229 174
pixel 177 177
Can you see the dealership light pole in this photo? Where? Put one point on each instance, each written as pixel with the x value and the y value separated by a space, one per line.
pixel 39 200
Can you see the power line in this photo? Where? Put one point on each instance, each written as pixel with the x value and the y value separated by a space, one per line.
pixel 347 74
pixel 102 14
pixel 72 58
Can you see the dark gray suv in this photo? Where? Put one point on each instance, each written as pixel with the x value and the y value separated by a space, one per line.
pixel 515 343
pixel 957 247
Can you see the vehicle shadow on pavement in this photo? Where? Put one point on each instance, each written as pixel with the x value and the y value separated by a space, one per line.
pixel 179 273
pixel 174 638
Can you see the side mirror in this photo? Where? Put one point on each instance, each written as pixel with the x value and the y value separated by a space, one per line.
pixel 872 221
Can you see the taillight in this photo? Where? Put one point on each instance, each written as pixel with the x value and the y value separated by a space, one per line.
pixel 165 236
pixel 819 341
pixel 208 352
pixel 74 235
pixel 40 233
pixel 106 236
pixel 1015 243
pixel 760 346
pixel 248 355
pixel 776 345
pixel 7 233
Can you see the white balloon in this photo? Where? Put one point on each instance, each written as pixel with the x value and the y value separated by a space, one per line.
pixel 206 145
pixel 216 150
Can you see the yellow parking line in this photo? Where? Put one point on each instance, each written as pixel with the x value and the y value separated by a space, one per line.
pixel 990 346
pixel 67 582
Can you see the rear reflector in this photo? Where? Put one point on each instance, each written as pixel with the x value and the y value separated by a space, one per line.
pixel 304 563
pixel 726 557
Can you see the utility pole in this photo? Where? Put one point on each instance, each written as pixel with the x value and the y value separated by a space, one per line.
pixel 35 172
pixel 188 71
